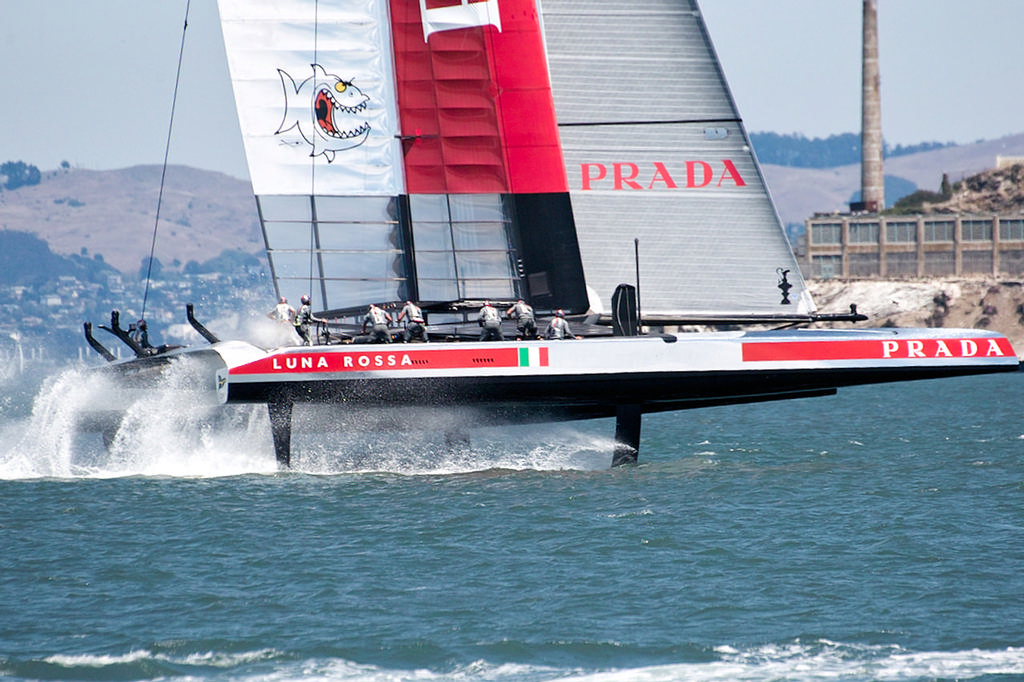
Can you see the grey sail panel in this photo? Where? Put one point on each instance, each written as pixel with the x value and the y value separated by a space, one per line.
pixel 343 251
pixel 631 60
pixel 655 150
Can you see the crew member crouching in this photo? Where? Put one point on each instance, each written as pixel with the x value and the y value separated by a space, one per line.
pixel 559 329
pixel 415 326
pixel 379 319
pixel 490 324
pixel 522 312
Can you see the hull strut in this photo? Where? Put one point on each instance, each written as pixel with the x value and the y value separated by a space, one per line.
pixel 627 434
pixel 281 427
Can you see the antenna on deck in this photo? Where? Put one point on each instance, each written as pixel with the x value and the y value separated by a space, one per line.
pixel 636 257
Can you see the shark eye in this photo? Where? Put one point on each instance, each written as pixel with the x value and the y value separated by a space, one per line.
pixel 340 86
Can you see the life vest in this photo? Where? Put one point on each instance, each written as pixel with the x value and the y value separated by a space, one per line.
pixel 557 329
pixel 281 312
pixel 523 311
pixel 413 313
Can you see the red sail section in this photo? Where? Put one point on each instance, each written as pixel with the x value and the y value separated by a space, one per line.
pixel 475 103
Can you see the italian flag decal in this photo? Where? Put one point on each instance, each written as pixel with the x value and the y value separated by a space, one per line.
pixel 533 357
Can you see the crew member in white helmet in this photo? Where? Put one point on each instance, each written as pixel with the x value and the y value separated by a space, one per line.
pixel 282 312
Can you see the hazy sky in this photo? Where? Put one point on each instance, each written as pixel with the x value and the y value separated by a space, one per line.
pixel 91 81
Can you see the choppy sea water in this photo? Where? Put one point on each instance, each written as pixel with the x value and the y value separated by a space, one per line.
pixel 874 535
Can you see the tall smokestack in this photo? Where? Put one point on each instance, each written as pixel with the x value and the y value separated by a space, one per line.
pixel 872 178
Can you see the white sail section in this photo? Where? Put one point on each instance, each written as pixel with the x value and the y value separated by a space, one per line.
pixel 655 150
pixel 314 87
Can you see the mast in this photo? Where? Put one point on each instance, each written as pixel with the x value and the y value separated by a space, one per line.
pixel 872 179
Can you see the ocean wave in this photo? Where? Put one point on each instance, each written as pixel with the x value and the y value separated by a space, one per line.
pixel 797 661
pixel 822 660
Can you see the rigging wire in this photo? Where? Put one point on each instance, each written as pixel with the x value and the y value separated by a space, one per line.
pixel 312 156
pixel 163 172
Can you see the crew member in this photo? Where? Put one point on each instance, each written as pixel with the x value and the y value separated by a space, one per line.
pixel 490 323
pixel 379 319
pixel 282 312
pixel 522 313
pixel 558 328
pixel 415 324
pixel 303 318
pixel 141 336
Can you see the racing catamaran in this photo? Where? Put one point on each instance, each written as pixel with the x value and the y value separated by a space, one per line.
pixel 452 152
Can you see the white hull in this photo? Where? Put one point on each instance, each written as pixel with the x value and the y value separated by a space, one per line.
pixel 329 373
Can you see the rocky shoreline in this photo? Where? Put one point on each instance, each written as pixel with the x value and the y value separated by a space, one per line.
pixel 982 303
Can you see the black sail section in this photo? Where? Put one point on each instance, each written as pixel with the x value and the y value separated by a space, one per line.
pixel 550 253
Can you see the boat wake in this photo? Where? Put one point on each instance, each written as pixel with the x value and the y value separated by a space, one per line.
pixel 172 430
pixel 169 430
pixel 421 441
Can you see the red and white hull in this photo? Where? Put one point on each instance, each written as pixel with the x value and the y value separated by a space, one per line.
pixel 532 381
pixel 596 375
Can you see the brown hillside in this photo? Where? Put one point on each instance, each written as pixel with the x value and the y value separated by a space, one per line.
pixel 993 191
pixel 799 193
pixel 112 213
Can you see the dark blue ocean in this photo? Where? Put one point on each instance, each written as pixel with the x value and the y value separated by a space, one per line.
pixel 874 535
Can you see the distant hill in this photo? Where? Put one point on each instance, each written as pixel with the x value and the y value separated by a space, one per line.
pixel 27 260
pixel 112 213
pixel 799 193
pixel 799 151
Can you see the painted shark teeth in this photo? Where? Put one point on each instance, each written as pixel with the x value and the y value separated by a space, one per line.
pixel 361 130
pixel 351 110
pixel 341 108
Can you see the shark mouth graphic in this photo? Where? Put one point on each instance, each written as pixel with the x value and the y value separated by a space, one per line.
pixel 327 112
pixel 326 106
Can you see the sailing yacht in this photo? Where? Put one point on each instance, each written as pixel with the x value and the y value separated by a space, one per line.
pixel 586 157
